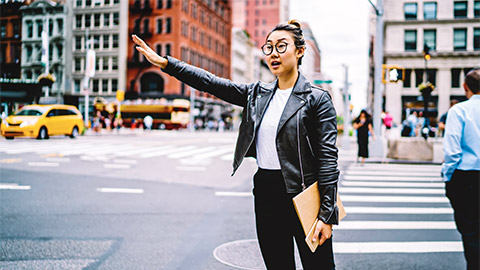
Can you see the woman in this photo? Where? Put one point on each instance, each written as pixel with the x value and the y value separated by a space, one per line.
pixel 363 125
pixel 289 126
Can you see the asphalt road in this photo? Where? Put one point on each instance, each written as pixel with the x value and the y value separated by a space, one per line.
pixel 165 200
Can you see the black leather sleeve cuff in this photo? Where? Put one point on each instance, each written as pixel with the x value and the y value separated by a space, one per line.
pixel 328 209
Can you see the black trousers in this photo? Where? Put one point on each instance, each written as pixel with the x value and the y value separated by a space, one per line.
pixel 463 192
pixel 277 225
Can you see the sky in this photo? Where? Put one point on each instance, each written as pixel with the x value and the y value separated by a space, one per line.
pixel 341 30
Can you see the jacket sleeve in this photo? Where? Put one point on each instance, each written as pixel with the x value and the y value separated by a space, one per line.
pixel 205 81
pixel 327 156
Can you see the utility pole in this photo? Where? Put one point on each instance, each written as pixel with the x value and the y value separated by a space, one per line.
pixel 377 145
pixel 346 112
pixel 192 109
pixel 45 47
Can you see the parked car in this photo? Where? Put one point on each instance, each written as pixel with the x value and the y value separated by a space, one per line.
pixel 42 121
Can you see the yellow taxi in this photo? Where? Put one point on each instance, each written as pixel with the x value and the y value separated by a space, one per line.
pixel 42 121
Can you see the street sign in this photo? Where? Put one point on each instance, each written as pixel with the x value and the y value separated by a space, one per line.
pixel 322 81
pixel 120 95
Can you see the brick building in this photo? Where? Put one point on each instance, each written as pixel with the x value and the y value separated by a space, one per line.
pixel 262 15
pixel 195 31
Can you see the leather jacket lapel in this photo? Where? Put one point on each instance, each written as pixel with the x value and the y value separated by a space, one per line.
pixel 263 97
pixel 295 101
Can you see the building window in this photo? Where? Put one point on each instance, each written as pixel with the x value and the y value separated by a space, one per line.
pixel 430 39
pixel 104 86
pixel 78 21
pixel 410 40
pixel 3 29
pixel 29 29
pixel 169 3
pixel 115 40
pixel 106 41
pixel 168 26
pixel 159 49
pixel 159 4
pixel 146 22
pixel 432 76
pixel 114 63
pixel 136 26
pixel 476 38
pixel 460 9
pixel 79 3
pixel 78 64
pixel 114 85
pixel 418 76
pixel 159 26
pixel 106 19
pixel 476 9
pixel 96 41
pixel 430 10
pixel 168 49
pixel 194 11
pixel 39 29
pixel 115 19
pixel 106 2
pixel 460 39
pixel 77 86
pixel 456 77
pixel 407 81
pixel 95 85
pixel 410 11
pixel 88 21
pixel 88 3
pixel 60 26
pixel 96 20
pixel 29 53
pixel 105 63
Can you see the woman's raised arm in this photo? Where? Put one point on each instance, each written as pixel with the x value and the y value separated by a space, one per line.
pixel 151 56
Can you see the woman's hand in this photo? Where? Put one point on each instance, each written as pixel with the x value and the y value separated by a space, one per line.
pixel 151 55
pixel 323 230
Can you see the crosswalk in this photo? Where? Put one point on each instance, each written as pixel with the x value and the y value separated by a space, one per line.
pixel 406 201
pixel 92 150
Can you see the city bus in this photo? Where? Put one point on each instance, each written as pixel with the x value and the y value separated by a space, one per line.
pixel 166 114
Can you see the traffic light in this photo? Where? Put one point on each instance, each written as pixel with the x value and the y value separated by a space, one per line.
pixel 392 74
pixel 426 53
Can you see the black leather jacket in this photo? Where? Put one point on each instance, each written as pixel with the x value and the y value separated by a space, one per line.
pixel 306 135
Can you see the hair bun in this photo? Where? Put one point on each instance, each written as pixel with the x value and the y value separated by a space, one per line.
pixel 295 23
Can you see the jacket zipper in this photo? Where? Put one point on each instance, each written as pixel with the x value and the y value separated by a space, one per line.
pixel 299 153
pixel 310 145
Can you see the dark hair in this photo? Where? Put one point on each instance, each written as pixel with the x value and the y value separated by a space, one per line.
pixel 472 80
pixel 295 28
pixel 366 115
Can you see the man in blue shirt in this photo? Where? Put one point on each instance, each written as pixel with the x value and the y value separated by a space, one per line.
pixel 461 169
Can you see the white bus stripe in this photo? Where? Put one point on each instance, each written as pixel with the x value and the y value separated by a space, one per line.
pixel 391 184
pixel 398 210
pixel 396 225
pixel 397 247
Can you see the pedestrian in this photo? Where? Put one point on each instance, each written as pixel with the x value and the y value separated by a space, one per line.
pixel 461 168
pixel 443 119
pixel 289 126
pixel 148 122
pixel 363 125
pixel 388 122
pixel 413 122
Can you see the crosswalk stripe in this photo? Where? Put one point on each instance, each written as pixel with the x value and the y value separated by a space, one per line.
pixel 391 178
pixel 391 173
pixel 82 150
pixel 404 199
pixel 43 164
pixel 228 157
pixel 109 150
pixel 121 190
pixel 13 186
pixel 398 210
pixel 167 151
pixel 56 148
pixel 397 167
pixel 397 247
pixel 143 150
pixel 214 153
pixel 396 225
pixel 190 152
pixel 391 184
pixel 31 148
pixel 391 190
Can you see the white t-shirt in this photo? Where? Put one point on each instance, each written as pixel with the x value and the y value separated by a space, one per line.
pixel 267 156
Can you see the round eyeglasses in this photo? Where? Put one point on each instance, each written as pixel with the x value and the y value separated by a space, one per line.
pixel 281 47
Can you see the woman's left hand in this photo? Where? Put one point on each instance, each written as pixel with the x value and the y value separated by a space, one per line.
pixel 323 230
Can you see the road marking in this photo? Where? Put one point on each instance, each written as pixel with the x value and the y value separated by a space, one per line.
pixel 392 178
pixel 396 225
pixel 191 168
pixel 214 153
pixel 228 157
pixel 191 152
pixel 116 166
pixel 390 173
pixel 392 190
pixel 58 159
pixel 43 164
pixel 233 194
pixel 83 150
pixel 398 168
pixel 397 247
pixel 125 161
pixel 95 158
pixel 404 199
pixel 398 210
pixel 121 190
pixel 11 160
pixel 32 148
pixel 391 184
pixel 13 186
pixel 167 151
pixel 142 150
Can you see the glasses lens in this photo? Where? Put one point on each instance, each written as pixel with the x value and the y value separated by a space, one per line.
pixel 267 49
pixel 281 47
